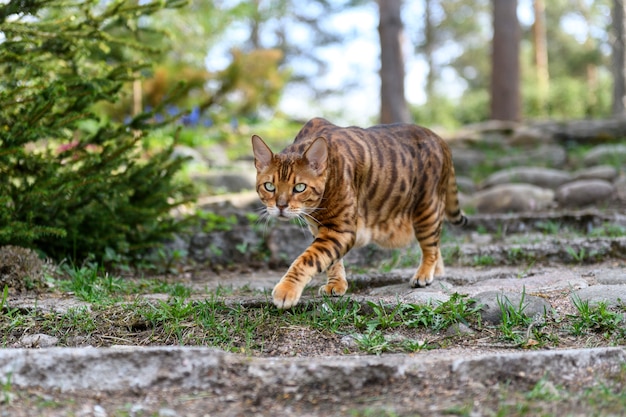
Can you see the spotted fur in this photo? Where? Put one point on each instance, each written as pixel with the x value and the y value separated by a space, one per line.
pixel 387 184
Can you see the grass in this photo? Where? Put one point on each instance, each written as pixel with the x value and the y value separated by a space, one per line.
pixel 115 312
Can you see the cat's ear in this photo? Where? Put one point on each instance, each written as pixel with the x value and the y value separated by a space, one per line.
pixel 262 153
pixel 316 155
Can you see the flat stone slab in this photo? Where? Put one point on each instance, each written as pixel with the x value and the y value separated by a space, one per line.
pixel 140 369
pixel 609 294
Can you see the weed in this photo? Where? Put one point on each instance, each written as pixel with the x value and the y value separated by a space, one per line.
pixel 5 389
pixel 544 390
pixel 215 222
pixel 450 254
pixel 373 342
pixel 336 315
pixel 608 230
pixel 484 260
pixel 516 325
pixel 411 345
pixel 548 227
pixel 458 309
pixel 596 318
pixel 578 256
pixel 384 318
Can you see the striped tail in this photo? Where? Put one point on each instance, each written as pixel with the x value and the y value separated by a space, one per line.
pixel 453 209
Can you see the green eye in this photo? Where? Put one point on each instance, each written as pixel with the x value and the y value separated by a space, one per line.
pixel 269 186
pixel 299 187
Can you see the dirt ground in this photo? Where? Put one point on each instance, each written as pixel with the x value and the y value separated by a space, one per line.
pixel 432 394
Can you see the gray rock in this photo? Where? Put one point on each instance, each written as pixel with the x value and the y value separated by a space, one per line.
pixel 611 277
pixel 182 151
pixel 192 368
pixel 543 155
pixel 541 177
pixel 620 188
pixel 514 198
pixel 605 154
pixel 285 243
pixel 584 192
pixel 494 301
pixel 599 172
pixel 465 184
pixel 228 181
pixel 466 159
pixel 216 155
pixel 226 237
pixel 612 295
pixel 529 135
pixel 38 340
pixel 459 329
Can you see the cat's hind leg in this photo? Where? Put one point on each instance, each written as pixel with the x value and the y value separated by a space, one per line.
pixel 428 233
pixel 336 283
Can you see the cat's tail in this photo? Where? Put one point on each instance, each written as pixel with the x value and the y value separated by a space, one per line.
pixel 454 213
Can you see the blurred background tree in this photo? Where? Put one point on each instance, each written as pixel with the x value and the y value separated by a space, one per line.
pixel 73 183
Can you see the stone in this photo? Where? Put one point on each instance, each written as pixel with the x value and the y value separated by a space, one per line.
pixel 216 155
pixel 465 184
pixel 466 159
pixel 493 303
pixel 459 329
pixel 612 295
pixel 285 243
pixel 529 135
pixel 611 277
pixel 512 198
pixel 182 151
pixel 543 155
pixel 227 181
pixel 541 177
pixel 620 187
pixel 605 154
pixel 38 340
pixel 599 172
pixel 582 193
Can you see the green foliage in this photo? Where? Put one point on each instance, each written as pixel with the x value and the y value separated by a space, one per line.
pixel 597 318
pixel 73 183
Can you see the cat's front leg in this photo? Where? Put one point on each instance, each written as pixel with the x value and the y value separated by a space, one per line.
pixel 336 284
pixel 325 253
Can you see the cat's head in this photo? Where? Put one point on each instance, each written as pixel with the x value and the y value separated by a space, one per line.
pixel 290 185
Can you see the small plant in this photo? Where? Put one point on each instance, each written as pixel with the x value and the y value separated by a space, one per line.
pixel 579 256
pixel 384 317
pixel 596 318
pixel 515 323
pixel 458 309
pixel 549 227
pixel 608 230
pixel 216 222
pixel 373 342
pixel 484 260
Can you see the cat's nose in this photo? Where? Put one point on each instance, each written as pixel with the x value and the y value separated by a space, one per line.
pixel 281 207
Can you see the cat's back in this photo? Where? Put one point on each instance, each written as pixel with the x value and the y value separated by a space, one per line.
pixel 380 141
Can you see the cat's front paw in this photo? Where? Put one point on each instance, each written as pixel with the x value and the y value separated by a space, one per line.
pixel 334 289
pixel 286 295
pixel 421 282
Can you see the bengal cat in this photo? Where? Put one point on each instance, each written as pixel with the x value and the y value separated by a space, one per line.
pixel 387 184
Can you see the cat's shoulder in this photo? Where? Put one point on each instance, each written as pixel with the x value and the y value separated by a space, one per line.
pixel 315 126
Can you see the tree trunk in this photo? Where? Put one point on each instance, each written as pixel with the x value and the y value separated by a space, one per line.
pixel 505 67
pixel 619 61
pixel 393 105
pixel 428 50
pixel 541 51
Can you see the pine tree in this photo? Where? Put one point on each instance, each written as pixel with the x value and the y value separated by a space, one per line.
pixel 72 182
